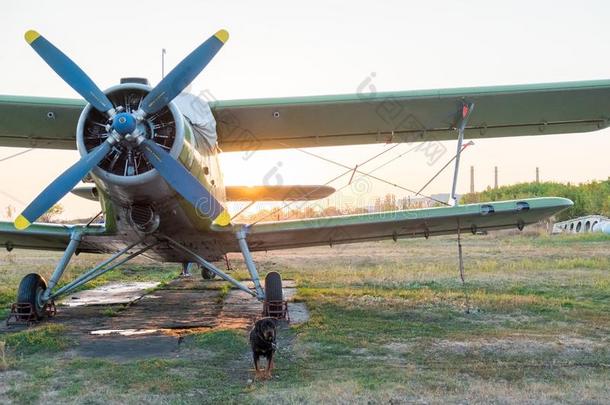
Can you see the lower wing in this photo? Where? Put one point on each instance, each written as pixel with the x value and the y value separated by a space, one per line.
pixel 49 237
pixel 401 224
pixel 319 231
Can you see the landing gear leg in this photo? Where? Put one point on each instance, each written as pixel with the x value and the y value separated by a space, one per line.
pixel 35 298
pixel 34 301
pixel 63 263
pixel 245 251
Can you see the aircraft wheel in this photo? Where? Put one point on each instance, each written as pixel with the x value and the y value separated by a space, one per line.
pixel 30 291
pixel 273 287
pixel 274 297
pixel 207 274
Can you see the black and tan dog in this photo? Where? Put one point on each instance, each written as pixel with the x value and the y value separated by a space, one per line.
pixel 262 341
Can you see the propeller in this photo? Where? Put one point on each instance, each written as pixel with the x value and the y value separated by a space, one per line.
pixel 184 182
pixel 62 185
pixel 124 129
pixel 69 71
pixel 183 74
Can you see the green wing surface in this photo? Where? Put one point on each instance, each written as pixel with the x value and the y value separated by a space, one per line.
pixel 309 232
pixel 48 237
pixel 39 122
pixel 412 116
pixel 408 116
pixel 402 224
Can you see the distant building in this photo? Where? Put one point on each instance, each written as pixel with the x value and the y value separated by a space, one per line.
pixel 589 223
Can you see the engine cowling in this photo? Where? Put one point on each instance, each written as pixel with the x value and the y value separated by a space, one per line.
pixel 125 173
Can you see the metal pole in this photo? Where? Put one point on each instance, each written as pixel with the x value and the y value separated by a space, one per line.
pixel 496 177
pixel 471 179
pixel 465 114
pixel 115 265
pixel 83 280
pixel 69 286
pixel 75 239
pixel 211 267
pixel 243 245
pixel 453 200
pixel 163 52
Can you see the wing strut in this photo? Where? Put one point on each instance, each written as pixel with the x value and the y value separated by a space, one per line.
pixel 463 114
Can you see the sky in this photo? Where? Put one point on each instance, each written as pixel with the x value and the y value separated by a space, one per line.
pixel 280 48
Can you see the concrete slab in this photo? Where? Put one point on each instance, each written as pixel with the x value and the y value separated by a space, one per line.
pixel 109 294
pixel 123 348
pixel 127 320
pixel 298 313
pixel 171 309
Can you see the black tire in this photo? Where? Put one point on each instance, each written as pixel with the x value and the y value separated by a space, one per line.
pixel 273 287
pixel 30 288
pixel 207 274
pixel 274 295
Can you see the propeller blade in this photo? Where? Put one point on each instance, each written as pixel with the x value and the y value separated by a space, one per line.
pixel 185 183
pixel 61 186
pixel 69 71
pixel 183 74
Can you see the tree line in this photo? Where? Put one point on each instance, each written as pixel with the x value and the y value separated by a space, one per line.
pixel 589 198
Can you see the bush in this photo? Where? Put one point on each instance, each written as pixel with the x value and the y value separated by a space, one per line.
pixel 589 198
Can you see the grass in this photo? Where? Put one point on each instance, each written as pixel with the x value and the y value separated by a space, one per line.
pixel 112 311
pixel 46 338
pixel 65 379
pixel 390 323
pixel 222 292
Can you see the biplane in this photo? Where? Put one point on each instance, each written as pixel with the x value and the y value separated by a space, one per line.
pixel 151 159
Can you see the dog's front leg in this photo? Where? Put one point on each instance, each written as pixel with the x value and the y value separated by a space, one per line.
pixel 270 365
pixel 256 369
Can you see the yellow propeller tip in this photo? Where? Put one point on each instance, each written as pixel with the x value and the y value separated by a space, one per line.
pixel 31 36
pixel 223 219
pixel 21 222
pixel 222 35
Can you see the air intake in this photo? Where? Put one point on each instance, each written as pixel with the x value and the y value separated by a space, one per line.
pixel 144 218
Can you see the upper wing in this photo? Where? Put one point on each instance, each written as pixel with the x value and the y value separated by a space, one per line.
pixel 49 237
pixel 39 122
pixel 410 116
pixel 400 224
pixel 535 109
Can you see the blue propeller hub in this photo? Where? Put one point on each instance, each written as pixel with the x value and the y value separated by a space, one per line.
pixel 124 123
